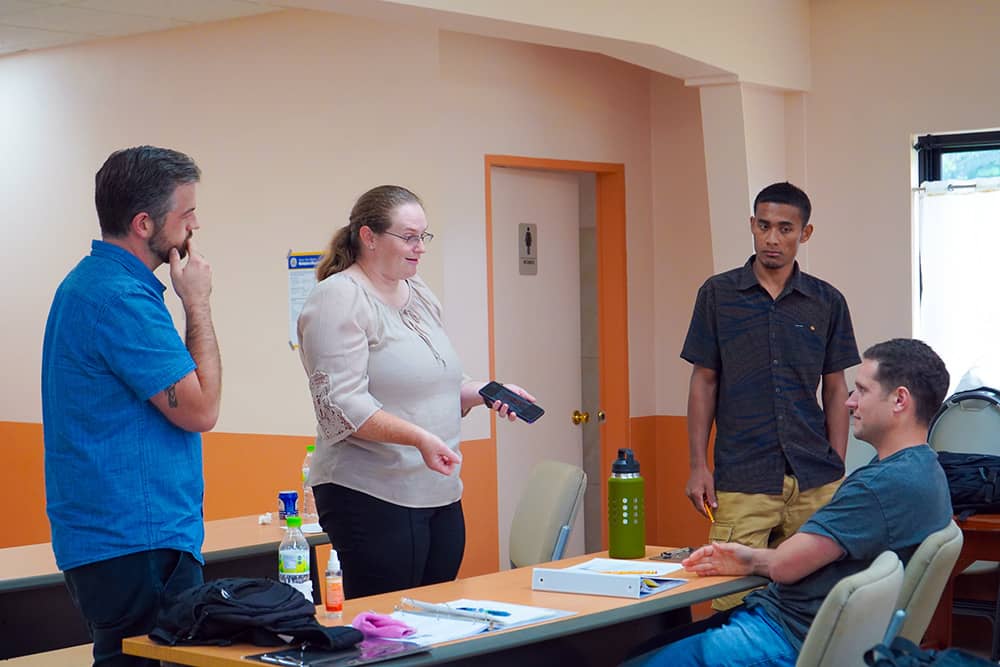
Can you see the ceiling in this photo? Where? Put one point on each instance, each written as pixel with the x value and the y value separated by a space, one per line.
pixel 37 24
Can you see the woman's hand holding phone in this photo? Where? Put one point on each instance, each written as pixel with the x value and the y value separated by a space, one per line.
pixel 511 401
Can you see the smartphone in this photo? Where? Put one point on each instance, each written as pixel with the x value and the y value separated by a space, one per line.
pixel 522 407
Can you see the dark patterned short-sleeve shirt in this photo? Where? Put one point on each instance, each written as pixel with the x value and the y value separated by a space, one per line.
pixel 770 355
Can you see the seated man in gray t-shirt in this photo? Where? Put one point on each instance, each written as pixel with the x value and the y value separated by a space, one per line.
pixel 894 502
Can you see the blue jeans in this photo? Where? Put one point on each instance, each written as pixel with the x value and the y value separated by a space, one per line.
pixel 749 637
pixel 120 597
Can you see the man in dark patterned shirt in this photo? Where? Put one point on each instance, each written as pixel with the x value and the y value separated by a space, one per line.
pixel 762 339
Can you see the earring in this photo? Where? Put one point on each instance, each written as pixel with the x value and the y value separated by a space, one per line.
pixel 371 247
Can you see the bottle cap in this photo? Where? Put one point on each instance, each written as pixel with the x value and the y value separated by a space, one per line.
pixel 293 521
pixel 333 564
pixel 310 448
pixel 625 463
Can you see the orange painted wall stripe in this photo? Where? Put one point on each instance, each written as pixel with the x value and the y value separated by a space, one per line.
pixel 243 473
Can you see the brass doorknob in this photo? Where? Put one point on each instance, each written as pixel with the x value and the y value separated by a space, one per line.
pixel 580 417
pixel 601 416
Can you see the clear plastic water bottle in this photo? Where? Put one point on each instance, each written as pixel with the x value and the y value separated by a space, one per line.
pixel 334 599
pixel 293 558
pixel 310 517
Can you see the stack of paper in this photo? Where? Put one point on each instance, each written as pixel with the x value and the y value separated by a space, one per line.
pixel 607 576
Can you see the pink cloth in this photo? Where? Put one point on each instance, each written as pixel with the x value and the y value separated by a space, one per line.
pixel 379 625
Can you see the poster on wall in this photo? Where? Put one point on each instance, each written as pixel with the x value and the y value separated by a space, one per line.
pixel 301 280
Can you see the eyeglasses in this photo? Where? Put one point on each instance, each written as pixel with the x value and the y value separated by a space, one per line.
pixel 413 239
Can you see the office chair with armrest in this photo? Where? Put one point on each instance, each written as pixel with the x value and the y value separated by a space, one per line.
pixel 854 616
pixel 969 421
pixel 925 577
pixel 545 513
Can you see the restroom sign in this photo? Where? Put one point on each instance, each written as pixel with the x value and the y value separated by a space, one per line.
pixel 527 244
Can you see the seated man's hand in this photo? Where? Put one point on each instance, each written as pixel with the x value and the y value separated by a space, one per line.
pixel 720 558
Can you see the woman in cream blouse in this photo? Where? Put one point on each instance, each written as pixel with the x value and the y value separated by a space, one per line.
pixel 389 395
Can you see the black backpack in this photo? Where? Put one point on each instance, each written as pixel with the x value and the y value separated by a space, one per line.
pixel 904 653
pixel 974 482
pixel 241 609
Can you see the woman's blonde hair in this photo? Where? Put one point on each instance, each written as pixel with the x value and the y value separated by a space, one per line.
pixel 372 210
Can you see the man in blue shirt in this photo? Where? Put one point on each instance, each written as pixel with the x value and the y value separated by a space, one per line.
pixel 124 402
pixel 762 339
pixel 894 502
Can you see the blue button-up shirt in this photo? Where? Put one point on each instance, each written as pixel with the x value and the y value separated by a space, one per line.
pixel 770 355
pixel 119 477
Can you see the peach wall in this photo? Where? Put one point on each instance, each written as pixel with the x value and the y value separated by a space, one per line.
pixel 764 42
pixel 883 72
pixel 765 134
pixel 727 172
pixel 290 116
pixel 681 236
pixel 509 98
pixel 283 157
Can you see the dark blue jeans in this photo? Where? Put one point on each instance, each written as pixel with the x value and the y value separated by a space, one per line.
pixel 385 547
pixel 120 597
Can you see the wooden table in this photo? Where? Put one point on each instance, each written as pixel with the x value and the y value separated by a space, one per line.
pixel 37 614
pixel 981 533
pixel 602 630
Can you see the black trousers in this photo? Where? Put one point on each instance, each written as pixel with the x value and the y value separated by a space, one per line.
pixel 385 547
pixel 120 597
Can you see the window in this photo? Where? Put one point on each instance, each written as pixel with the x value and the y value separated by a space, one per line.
pixel 946 157
pixel 958 227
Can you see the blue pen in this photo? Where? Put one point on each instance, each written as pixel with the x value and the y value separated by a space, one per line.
pixel 491 612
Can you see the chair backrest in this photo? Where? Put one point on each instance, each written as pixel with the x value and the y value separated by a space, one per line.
pixel 854 616
pixel 967 422
pixel 924 579
pixel 545 513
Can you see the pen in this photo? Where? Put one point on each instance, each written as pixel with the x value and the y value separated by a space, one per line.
pixel 480 610
pixel 708 509
pixel 445 610
pixel 280 660
pixel 629 571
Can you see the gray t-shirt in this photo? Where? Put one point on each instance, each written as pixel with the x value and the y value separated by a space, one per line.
pixel 362 355
pixel 889 504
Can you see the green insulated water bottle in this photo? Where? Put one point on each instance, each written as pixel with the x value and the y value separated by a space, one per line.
pixel 626 508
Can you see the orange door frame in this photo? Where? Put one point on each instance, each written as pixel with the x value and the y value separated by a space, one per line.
pixel 612 295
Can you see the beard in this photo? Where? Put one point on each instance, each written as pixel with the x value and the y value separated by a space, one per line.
pixel 160 247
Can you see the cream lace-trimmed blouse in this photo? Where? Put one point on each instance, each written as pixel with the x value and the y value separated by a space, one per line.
pixel 362 355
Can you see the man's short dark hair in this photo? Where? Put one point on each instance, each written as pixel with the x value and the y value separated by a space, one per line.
pixel 911 363
pixel 137 180
pixel 785 193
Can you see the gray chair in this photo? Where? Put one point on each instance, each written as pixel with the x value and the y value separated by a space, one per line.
pixel 924 579
pixel 545 513
pixel 854 616
pixel 969 421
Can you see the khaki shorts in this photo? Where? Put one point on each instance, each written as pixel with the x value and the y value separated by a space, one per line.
pixel 764 521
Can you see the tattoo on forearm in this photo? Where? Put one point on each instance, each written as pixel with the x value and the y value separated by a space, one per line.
pixel 172 396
